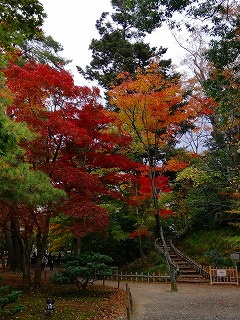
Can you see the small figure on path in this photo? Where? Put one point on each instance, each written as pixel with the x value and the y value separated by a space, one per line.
pixel 33 260
pixel 44 262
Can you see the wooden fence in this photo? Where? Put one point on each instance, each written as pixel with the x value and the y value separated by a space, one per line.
pixel 142 277
pixel 223 275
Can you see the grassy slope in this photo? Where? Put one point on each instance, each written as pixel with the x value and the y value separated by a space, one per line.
pixel 224 241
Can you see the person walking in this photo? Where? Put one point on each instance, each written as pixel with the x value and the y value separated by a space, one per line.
pixel 44 262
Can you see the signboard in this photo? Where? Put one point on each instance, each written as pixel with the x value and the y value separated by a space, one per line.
pixel 221 273
pixel 234 256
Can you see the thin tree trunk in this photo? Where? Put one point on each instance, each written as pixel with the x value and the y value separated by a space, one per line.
pixel 27 248
pixel 140 245
pixel 172 267
pixel 160 234
pixel 7 233
pixel 17 245
pixel 78 247
pixel 24 240
pixel 42 238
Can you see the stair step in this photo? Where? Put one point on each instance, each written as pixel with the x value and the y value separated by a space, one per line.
pixel 192 276
pixel 184 266
pixel 187 273
pixel 190 271
pixel 187 280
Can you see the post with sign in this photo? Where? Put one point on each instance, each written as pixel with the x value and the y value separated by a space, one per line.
pixel 234 257
pixel 226 275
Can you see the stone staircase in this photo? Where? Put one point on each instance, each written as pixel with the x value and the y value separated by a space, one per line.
pixel 188 270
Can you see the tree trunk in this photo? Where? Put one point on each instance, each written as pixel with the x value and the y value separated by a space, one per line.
pixel 24 243
pixel 171 266
pixel 7 233
pixel 27 248
pixel 160 234
pixel 140 246
pixel 17 245
pixel 42 238
pixel 78 245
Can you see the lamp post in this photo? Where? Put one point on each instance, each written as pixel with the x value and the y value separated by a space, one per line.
pixel 50 307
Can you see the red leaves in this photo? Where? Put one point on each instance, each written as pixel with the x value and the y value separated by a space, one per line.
pixel 141 232
pixel 145 189
pixel 78 142
pixel 86 217
pixel 160 183
pixel 165 213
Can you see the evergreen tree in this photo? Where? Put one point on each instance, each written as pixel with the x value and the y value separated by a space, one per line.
pixel 120 48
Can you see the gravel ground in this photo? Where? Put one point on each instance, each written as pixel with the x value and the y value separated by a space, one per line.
pixel 155 301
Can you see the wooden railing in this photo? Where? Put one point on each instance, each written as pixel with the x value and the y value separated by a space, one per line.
pixel 142 277
pixel 224 275
pixel 203 271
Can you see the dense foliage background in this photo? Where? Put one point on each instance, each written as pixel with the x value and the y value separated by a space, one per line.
pixel 160 158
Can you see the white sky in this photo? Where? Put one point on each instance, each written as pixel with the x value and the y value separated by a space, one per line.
pixel 72 23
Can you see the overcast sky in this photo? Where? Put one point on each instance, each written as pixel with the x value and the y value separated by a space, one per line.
pixel 72 23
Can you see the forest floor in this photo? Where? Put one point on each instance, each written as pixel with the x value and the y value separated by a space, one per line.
pixel 155 301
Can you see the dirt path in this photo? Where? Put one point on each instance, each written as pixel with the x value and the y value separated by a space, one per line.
pixel 154 301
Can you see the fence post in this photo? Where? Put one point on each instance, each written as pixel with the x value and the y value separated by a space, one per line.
pixel 236 270
pixel 131 302
pixel 128 313
pixel 210 272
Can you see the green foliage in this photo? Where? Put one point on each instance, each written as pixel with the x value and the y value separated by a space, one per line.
pixel 206 193
pixel 199 244
pixel 20 20
pixel 8 302
pixel 150 14
pixel 88 267
pixel 153 262
pixel 215 259
pixel 18 183
pixel 45 50
pixel 120 48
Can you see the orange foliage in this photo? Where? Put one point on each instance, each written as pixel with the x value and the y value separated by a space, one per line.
pixel 175 165
pixel 152 105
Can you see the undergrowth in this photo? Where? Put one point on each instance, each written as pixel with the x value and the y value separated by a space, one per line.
pixel 95 303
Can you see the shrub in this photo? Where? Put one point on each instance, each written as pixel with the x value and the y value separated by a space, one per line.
pixel 84 269
pixel 8 301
